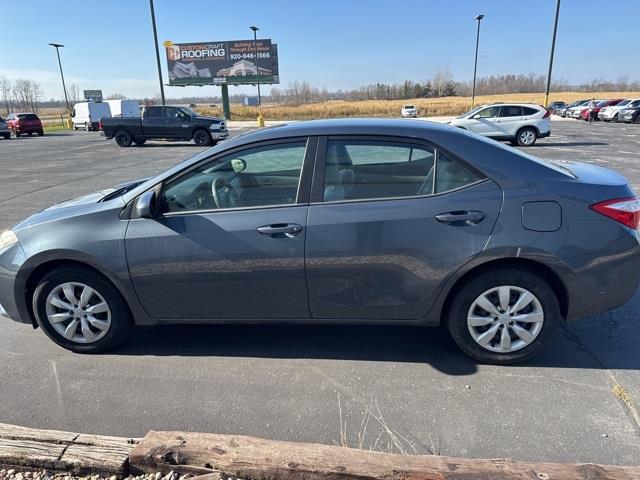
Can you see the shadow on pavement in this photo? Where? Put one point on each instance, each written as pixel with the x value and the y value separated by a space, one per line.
pixel 567 144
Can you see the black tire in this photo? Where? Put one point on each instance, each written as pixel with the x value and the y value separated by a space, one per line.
pixel 140 143
pixel 87 127
pixel 7 136
pixel 30 133
pixel 75 127
pixel 17 134
pixel 123 138
pixel 202 137
pixel 120 315
pixel 526 136
pixel 40 133
pixel 637 119
pixel 615 118
pixel 456 319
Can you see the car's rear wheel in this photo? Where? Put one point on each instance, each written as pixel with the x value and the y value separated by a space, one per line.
pixel 615 118
pixel 123 138
pixel 7 136
pixel 503 316
pixel 40 133
pixel 87 127
pixel 526 136
pixel 637 119
pixel 80 310
pixel 202 137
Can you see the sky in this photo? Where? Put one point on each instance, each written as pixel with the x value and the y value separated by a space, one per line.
pixel 329 43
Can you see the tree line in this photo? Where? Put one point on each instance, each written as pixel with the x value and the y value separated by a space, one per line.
pixel 20 95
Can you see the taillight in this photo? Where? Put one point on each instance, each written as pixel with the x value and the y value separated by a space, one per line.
pixel 100 124
pixel 547 113
pixel 623 210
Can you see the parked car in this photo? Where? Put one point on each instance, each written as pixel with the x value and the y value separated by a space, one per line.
pixel 335 221
pixel 630 115
pixel 124 108
pixel 555 106
pixel 610 114
pixel 573 111
pixel 584 114
pixel 87 115
pixel 522 124
pixel 409 111
pixel 562 111
pixel 24 123
pixel 170 123
pixel 4 129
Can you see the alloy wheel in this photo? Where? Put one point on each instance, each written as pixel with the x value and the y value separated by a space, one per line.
pixel 78 312
pixel 505 319
pixel 527 137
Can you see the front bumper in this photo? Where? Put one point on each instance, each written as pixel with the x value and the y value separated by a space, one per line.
pixel 219 134
pixel 11 260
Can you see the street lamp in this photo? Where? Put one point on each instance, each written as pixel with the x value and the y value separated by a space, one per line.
pixel 57 46
pixel 255 46
pixel 155 43
pixel 553 47
pixel 475 64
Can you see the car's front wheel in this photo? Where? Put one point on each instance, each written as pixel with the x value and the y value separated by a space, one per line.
pixel 526 136
pixel 503 316
pixel 80 310
pixel 202 137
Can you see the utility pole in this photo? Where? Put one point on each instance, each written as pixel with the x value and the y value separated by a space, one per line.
pixel 553 47
pixel 155 44
pixel 57 46
pixel 475 63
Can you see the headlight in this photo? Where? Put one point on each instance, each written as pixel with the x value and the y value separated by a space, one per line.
pixel 215 126
pixel 7 238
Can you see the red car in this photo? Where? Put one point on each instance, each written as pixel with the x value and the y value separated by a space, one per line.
pixel 601 104
pixel 28 123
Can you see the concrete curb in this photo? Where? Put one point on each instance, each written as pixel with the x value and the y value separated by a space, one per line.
pixel 213 456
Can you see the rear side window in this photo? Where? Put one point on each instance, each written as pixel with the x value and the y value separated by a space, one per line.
pixel 153 112
pixel 526 111
pixel 511 111
pixel 372 169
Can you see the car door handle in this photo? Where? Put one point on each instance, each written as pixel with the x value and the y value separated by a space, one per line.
pixel 466 217
pixel 288 230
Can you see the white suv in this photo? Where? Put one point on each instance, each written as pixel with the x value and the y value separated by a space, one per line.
pixel 520 123
pixel 610 114
pixel 409 111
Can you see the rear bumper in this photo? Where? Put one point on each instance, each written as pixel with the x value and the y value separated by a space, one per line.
pixel 544 134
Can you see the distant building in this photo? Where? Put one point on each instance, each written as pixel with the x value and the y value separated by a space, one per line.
pixel 243 68
pixel 250 101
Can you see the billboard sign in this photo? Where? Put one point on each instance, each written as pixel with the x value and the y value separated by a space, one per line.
pixel 215 63
pixel 93 95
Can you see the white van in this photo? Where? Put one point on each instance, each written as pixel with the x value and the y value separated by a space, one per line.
pixel 124 108
pixel 87 114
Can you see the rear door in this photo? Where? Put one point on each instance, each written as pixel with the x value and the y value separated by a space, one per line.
pixel 153 122
pixel 390 220
pixel 509 120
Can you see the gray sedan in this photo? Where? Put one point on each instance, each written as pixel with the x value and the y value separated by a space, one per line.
pixel 337 221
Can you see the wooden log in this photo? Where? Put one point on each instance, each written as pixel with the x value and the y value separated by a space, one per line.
pixel 29 453
pixel 92 459
pixel 14 432
pixel 258 459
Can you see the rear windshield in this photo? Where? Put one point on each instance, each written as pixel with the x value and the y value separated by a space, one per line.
pixel 28 116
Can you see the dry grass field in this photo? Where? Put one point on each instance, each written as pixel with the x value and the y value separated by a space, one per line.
pixel 431 107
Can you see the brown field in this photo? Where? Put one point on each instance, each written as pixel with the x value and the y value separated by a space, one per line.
pixel 431 107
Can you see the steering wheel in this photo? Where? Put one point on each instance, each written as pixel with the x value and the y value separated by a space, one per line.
pixel 224 195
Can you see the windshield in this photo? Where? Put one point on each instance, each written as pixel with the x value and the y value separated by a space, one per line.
pixel 471 112
pixel 188 111
pixel 623 103
pixel 409 107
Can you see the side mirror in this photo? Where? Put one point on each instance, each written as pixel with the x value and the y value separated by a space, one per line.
pixel 475 117
pixel 238 165
pixel 145 206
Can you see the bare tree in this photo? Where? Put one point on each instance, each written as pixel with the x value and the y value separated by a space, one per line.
pixel 5 92
pixel 74 93
pixel 116 96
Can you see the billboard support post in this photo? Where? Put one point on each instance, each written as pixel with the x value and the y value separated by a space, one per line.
pixel 225 101
pixel 155 43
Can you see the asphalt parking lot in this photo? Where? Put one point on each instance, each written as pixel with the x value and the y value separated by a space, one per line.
pixel 294 383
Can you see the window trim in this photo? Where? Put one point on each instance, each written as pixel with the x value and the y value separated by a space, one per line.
pixel 317 185
pixel 302 193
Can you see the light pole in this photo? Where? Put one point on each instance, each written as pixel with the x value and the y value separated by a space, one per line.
pixel 155 43
pixel 57 46
pixel 475 63
pixel 553 47
pixel 255 46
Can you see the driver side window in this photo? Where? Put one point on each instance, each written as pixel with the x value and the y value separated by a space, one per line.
pixel 490 112
pixel 256 177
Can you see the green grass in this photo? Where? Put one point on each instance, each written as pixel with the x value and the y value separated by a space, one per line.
pixel 55 128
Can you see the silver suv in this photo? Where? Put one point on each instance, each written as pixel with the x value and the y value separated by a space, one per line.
pixel 4 130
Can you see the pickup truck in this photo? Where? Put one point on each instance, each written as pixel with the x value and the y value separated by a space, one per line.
pixel 164 122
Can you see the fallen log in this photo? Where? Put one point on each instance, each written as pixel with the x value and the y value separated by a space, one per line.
pixel 252 458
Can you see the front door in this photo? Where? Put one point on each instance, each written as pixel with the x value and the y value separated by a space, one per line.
pixel 389 221
pixel 483 122
pixel 229 243
pixel 176 124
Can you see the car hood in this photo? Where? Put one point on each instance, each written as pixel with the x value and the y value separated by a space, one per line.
pixel 209 119
pixel 100 200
